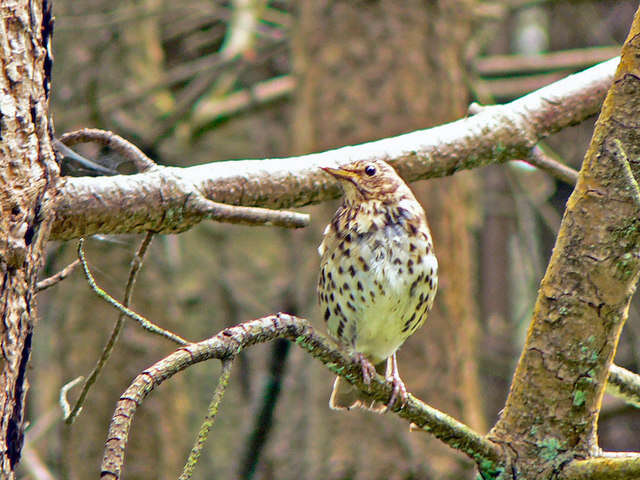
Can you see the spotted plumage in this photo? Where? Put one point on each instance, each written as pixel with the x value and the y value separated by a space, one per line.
pixel 377 245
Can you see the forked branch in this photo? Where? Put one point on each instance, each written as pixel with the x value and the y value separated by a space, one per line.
pixel 71 414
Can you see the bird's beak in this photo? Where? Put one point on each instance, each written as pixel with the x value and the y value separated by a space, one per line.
pixel 341 173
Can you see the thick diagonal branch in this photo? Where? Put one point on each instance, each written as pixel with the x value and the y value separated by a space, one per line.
pixel 551 414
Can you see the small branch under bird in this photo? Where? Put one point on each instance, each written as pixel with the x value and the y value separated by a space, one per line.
pixel 378 275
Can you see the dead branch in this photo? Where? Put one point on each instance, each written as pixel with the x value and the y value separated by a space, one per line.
pixel 115 142
pixel 56 278
pixel 248 215
pixel 540 159
pixel 228 343
pixel 160 200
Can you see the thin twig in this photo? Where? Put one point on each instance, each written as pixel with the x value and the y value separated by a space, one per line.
pixel 144 323
pixel 539 156
pixel 136 264
pixel 540 159
pixel 212 411
pixel 82 161
pixel 58 277
pixel 624 384
pixel 64 403
pixel 221 212
pixel 109 139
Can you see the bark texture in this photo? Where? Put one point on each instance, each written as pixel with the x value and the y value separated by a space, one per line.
pixel 28 176
pixel 551 414
pixel 227 344
pixel 159 200
pixel 354 88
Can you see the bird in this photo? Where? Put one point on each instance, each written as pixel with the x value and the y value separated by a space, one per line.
pixel 378 276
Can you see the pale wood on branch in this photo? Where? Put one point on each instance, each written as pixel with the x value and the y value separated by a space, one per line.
pixel 159 200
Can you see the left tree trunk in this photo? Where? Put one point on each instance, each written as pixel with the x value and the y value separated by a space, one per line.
pixel 28 179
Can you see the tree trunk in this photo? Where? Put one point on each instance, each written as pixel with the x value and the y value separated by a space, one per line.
pixel 354 86
pixel 551 415
pixel 28 179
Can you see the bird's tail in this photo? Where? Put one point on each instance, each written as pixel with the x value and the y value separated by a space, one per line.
pixel 346 396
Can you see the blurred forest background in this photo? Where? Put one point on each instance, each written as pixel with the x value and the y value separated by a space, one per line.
pixel 198 81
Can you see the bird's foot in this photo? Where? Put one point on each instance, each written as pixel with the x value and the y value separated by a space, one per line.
pixel 398 392
pixel 368 370
pixel 398 388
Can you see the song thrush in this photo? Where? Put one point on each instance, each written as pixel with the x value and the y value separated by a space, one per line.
pixel 378 275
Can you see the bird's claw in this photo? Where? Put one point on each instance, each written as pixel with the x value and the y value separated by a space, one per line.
pixel 368 370
pixel 398 389
pixel 398 393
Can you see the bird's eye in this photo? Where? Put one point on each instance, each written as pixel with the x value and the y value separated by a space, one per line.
pixel 370 170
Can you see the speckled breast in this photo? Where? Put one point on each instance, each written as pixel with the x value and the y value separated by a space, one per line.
pixel 376 289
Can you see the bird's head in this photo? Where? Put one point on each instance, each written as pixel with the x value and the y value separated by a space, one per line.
pixel 365 180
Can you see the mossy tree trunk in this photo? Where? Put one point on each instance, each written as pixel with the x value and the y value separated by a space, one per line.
pixel 551 414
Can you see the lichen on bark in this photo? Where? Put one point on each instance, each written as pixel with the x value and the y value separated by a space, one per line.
pixel 552 410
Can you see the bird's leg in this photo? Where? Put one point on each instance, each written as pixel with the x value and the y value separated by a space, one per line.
pixel 399 391
pixel 368 370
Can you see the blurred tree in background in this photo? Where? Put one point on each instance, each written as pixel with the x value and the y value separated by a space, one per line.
pixel 199 81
